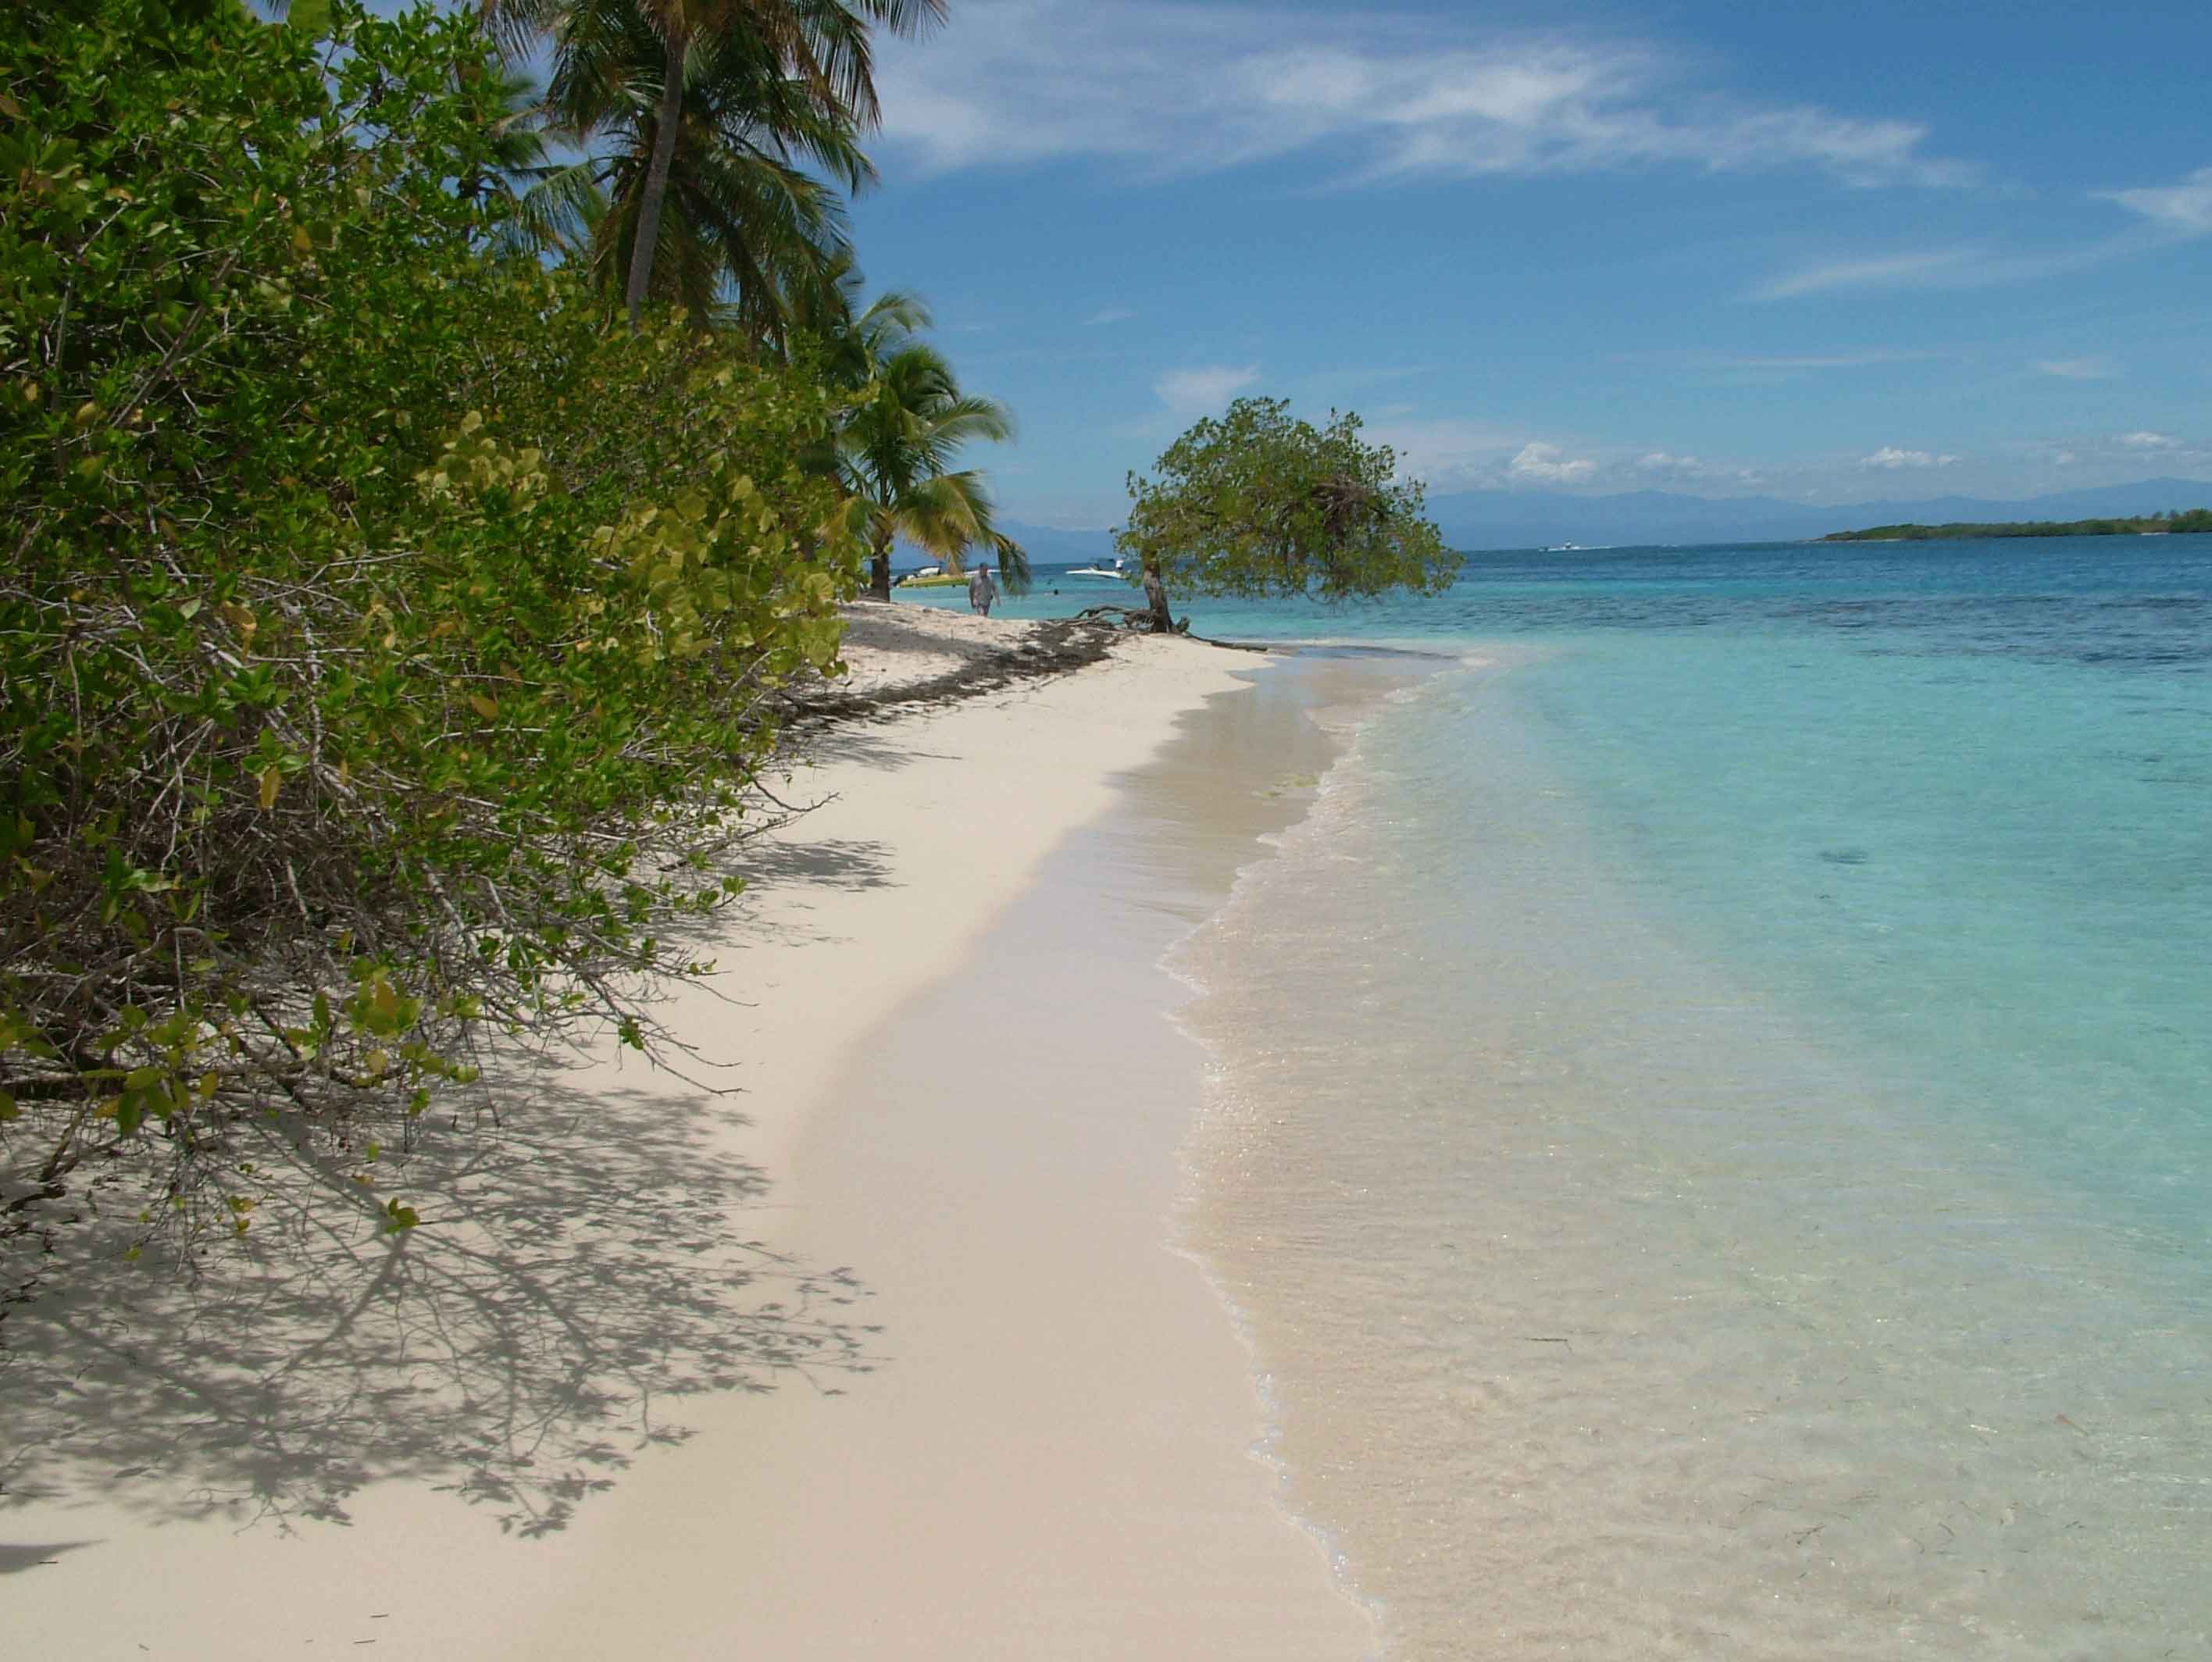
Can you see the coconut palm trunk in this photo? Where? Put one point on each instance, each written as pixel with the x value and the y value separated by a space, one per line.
pixel 656 175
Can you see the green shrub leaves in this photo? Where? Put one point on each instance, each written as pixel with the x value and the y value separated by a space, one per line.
pixel 385 642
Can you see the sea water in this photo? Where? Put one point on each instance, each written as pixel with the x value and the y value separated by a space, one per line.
pixel 1710 1127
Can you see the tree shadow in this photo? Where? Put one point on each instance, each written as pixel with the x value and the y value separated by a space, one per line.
pixel 851 741
pixel 570 1285
pixel 830 863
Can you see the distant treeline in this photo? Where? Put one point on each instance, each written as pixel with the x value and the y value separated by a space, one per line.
pixel 2192 519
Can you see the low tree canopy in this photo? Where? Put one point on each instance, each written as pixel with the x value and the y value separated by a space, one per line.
pixel 1257 503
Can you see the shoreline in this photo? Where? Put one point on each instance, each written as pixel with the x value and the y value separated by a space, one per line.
pixel 1058 1457
pixel 937 836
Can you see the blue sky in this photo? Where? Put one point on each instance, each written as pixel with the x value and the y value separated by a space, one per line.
pixel 1825 251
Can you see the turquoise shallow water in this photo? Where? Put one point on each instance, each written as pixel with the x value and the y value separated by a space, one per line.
pixel 1958 795
pixel 1712 1128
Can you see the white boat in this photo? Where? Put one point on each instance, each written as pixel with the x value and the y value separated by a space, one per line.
pixel 1116 573
pixel 929 577
pixel 1566 548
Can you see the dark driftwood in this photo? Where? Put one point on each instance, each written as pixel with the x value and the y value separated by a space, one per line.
pixel 1141 619
pixel 1125 617
pixel 1055 648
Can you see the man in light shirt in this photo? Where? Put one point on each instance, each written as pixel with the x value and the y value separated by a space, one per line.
pixel 981 591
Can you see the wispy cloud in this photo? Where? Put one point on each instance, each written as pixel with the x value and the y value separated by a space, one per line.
pixel 1666 464
pixel 1540 464
pixel 1890 457
pixel 1200 390
pixel 1784 363
pixel 2186 207
pixel 1960 267
pixel 2096 368
pixel 1448 453
pixel 2168 214
pixel 2122 454
pixel 1191 87
pixel 1792 362
pixel 1880 270
pixel 1111 314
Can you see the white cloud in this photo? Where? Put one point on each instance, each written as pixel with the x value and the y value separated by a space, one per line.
pixel 1958 267
pixel 1669 465
pixel 1881 271
pixel 2147 441
pixel 1542 464
pixel 1889 457
pixel 2186 207
pixel 1447 452
pixel 1822 361
pixel 2098 367
pixel 1111 314
pixel 1203 390
pixel 1190 86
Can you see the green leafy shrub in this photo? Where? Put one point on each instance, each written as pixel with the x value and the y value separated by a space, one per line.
pixel 385 642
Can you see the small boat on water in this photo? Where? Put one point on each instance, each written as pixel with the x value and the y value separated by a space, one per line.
pixel 1116 573
pixel 1565 548
pixel 929 577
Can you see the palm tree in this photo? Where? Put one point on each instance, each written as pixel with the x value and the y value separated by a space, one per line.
pixel 553 207
pixel 894 461
pixel 745 217
pixel 846 341
pixel 741 91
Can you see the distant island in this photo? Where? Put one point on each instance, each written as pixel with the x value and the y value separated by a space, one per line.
pixel 2154 525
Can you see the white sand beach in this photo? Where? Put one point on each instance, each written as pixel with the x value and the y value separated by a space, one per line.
pixel 889 1356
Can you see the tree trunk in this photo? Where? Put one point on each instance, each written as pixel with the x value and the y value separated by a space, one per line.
pixel 879 572
pixel 1156 596
pixel 656 177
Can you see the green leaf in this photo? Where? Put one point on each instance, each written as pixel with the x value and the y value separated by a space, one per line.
pixel 311 17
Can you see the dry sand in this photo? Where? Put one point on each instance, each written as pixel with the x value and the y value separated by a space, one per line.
pixel 651 1412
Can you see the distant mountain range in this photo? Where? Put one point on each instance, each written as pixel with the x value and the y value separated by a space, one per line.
pixel 1541 519
pixel 1538 519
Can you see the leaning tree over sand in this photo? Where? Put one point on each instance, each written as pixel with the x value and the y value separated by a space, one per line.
pixel 1257 503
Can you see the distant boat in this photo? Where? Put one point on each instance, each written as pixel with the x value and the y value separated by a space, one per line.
pixel 1116 573
pixel 1566 548
pixel 929 577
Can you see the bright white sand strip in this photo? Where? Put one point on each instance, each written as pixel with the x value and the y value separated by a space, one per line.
pixel 1050 1458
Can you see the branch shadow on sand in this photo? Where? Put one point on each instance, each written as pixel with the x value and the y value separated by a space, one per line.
pixel 576 1278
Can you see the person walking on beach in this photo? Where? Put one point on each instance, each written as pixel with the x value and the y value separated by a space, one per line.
pixel 981 591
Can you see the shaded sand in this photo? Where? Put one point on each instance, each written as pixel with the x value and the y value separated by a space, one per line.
pixel 633 1402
